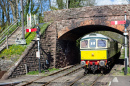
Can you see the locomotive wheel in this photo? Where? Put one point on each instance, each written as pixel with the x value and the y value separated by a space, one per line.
pixel 102 71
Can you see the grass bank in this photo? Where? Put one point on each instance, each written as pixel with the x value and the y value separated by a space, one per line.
pixel 15 51
pixel 43 73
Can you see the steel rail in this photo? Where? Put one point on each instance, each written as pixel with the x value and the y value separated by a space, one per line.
pixel 96 80
pixel 76 80
pixel 62 76
pixel 48 75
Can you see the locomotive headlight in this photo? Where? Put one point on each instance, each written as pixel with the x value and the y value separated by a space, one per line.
pixel 102 63
pixel 82 62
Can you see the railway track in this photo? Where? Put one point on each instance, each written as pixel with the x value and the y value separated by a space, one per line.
pixel 96 80
pixel 76 80
pixel 72 76
pixel 64 74
pixel 53 74
pixel 81 82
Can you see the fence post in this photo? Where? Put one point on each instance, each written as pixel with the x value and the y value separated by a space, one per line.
pixel 7 41
pixel 26 68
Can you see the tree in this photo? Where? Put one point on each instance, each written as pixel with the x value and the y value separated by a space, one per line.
pixel 60 4
pixel 74 3
pixel 5 10
pixel 13 6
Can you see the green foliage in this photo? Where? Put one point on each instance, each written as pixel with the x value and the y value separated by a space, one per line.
pixel 33 9
pixel 34 72
pixel 78 43
pixel 42 71
pixel 75 3
pixel 29 37
pixel 53 69
pixel 43 28
pixel 13 50
pixel 41 18
pixel 60 4
pixel 53 8
pixel 128 70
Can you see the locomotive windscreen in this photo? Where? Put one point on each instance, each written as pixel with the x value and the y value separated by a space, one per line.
pixel 92 43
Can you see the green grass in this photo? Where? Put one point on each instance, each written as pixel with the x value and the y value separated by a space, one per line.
pixel 44 27
pixel 34 72
pixel 37 72
pixel 128 70
pixel 122 71
pixel 16 50
pixel 29 37
pixel 53 69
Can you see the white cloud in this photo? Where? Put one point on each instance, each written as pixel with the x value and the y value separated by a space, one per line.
pixel 111 2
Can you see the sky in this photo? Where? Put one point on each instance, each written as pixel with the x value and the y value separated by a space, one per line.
pixel 99 3
pixel 103 2
pixel 111 2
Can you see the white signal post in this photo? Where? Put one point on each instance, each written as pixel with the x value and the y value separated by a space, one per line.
pixel 126 57
pixel 38 39
pixel 125 34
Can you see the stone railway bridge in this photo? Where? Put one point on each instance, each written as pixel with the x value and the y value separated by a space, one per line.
pixel 58 45
pixel 71 24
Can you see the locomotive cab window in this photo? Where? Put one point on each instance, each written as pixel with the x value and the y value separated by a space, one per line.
pixel 101 43
pixel 84 44
pixel 92 43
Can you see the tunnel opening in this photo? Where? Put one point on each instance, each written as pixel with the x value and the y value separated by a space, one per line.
pixel 68 50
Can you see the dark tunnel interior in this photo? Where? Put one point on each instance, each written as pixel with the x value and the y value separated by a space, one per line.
pixel 68 45
pixel 81 31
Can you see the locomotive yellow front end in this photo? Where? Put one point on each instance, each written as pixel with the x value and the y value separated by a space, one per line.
pixel 93 49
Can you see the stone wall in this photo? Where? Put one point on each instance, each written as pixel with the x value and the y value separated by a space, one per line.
pixel 66 53
pixel 87 12
pixel 28 58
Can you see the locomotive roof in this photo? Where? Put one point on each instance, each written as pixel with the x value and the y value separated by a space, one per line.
pixel 95 35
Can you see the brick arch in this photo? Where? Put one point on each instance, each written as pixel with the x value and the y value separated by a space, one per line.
pixel 68 24
pixel 68 31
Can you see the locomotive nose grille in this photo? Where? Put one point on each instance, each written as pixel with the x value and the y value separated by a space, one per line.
pixel 102 63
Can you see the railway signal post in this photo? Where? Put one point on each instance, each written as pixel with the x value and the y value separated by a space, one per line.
pixel 22 41
pixel 37 30
pixel 126 57
pixel 125 34
pixel 38 52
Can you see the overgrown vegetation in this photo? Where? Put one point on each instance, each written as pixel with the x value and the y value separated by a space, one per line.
pixel 16 50
pixel 42 71
pixel 128 70
pixel 34 72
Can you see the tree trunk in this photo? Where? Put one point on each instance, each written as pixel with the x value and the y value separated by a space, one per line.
pixel 13 9
pixel 2 18
pixel 8 17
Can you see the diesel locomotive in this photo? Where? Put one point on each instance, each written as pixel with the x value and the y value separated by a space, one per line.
pixel 97 52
